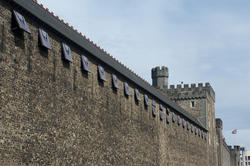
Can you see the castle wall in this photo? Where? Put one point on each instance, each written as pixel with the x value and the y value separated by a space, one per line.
pixel 235 156
pixel 220 147
pixel 202 96
pixel 211 126
pixel 199 102
pixel 52 113
pixel 226 158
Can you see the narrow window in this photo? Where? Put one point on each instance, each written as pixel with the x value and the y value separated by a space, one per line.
pixel 192 104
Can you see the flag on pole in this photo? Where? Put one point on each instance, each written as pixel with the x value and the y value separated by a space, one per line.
pixel 234 131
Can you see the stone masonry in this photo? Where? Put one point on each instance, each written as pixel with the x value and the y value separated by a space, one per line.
pixel 54 113
pixel 199 102
pixel 227 156
pixel 196 100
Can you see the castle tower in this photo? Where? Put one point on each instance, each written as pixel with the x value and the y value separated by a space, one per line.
pixel 219 128
pixel 198 100
pixel 160 77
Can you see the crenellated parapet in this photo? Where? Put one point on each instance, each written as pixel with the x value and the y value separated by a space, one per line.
pixel 160 71
pixel 234 149
pixel 190 91
pixel 160 77
pixel 219 123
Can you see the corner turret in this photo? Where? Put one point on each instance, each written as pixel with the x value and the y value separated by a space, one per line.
pixel 160 77
pixel 219 123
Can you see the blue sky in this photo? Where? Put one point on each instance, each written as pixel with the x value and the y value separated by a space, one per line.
pixel 199 41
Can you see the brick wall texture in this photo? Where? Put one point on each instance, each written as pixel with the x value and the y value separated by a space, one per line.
pixel 52 113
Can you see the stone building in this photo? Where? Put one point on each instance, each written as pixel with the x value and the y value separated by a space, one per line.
pixel 66 101
pixel 196 100
pixel 199 102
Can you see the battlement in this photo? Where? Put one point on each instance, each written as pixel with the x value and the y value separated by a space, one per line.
pixel 190 86
pixel 160 72
pixel 160 77
pixel 234 149
pixel 219 123
pixel 190 91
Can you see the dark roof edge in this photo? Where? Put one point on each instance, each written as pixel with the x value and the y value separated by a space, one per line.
pixel 40 13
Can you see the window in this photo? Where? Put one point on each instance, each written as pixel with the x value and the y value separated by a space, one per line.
pixel 192 104
pixel 245 157
pixel 248 157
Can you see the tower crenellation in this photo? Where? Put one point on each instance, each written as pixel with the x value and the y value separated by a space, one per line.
pixel 197 99
pixel 190 91
pixel 219 123
pixel 160 77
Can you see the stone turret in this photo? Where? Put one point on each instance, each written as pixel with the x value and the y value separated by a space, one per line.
pixel 160 77
pixel 220 145
pixel 196 99
pixel 219 123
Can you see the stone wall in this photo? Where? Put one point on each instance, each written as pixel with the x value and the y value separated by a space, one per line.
pixel 199 102
pixel 234 155
pixel 200 95
pixel 226 158
pixel 53 113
